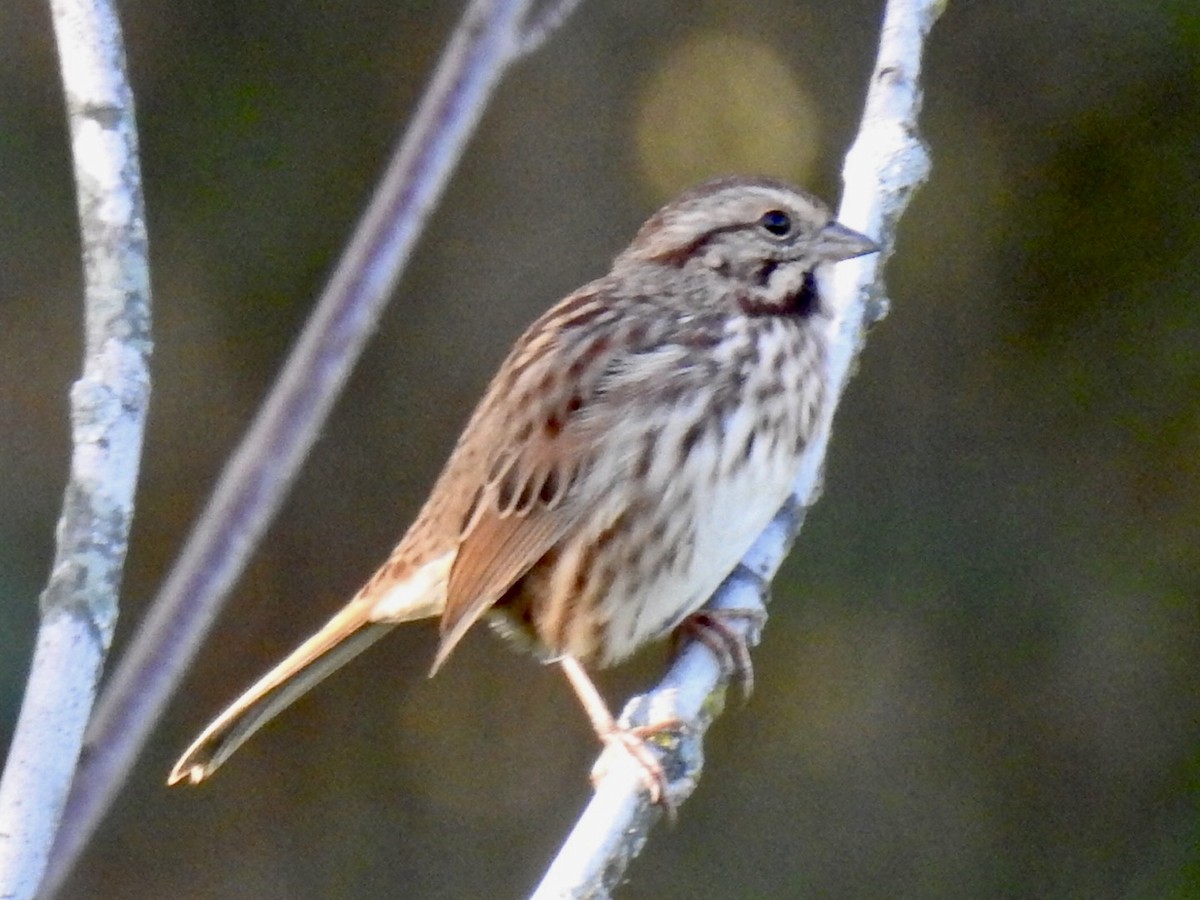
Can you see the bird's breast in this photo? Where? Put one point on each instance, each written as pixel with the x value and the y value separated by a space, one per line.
pixel 691 479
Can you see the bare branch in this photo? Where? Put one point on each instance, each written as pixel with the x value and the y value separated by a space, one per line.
pixel 542 23
pixel 108 413
pixel 883 169
pixel 487 40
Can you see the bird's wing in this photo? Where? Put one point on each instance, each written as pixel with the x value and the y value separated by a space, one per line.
pixel 545 424
pixel 529 502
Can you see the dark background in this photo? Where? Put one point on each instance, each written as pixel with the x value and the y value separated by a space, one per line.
pixel 980 674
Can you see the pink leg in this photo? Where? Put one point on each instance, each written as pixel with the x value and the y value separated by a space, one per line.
pixel 612 734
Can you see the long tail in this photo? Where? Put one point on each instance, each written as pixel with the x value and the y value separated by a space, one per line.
pixel 363 621
pixel 345 636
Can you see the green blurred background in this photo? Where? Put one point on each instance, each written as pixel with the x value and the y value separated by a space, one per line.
pixel 980 674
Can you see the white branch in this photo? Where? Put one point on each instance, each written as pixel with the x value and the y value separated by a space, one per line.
pixel 883 169
pixel 108 411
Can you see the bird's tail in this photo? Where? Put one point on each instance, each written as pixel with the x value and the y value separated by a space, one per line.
pixel 368 617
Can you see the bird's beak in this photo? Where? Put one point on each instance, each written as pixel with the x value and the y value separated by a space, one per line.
pixel 837 242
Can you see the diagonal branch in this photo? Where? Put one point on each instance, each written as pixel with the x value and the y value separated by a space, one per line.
pixel 541 23
pixel 108 414
pixel 490 37
pixel 883 169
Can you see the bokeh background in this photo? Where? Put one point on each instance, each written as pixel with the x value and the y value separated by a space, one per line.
pixel 980 675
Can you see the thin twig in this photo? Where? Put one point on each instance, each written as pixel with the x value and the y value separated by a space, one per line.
pixel 108 414
pixel 489 38
pixel 542 23
pixel 883 169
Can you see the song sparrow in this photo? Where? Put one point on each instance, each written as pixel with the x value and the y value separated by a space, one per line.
pixel 635 442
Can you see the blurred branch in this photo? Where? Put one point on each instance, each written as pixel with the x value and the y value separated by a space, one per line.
pixel 108 413
pixel 542 23
pixel 490 37
pixel 883 169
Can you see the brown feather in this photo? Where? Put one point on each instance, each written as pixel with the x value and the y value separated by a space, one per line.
pixel 530 499
pixel 517 521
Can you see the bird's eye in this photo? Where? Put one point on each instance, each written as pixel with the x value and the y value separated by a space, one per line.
pixel 777 222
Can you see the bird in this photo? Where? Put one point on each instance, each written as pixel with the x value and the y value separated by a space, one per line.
pixel 631 447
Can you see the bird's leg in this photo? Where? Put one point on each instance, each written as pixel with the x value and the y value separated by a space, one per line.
pixel 714 629
pixel 632 740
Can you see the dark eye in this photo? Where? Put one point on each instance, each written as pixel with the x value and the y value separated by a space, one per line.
pixel 777 222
